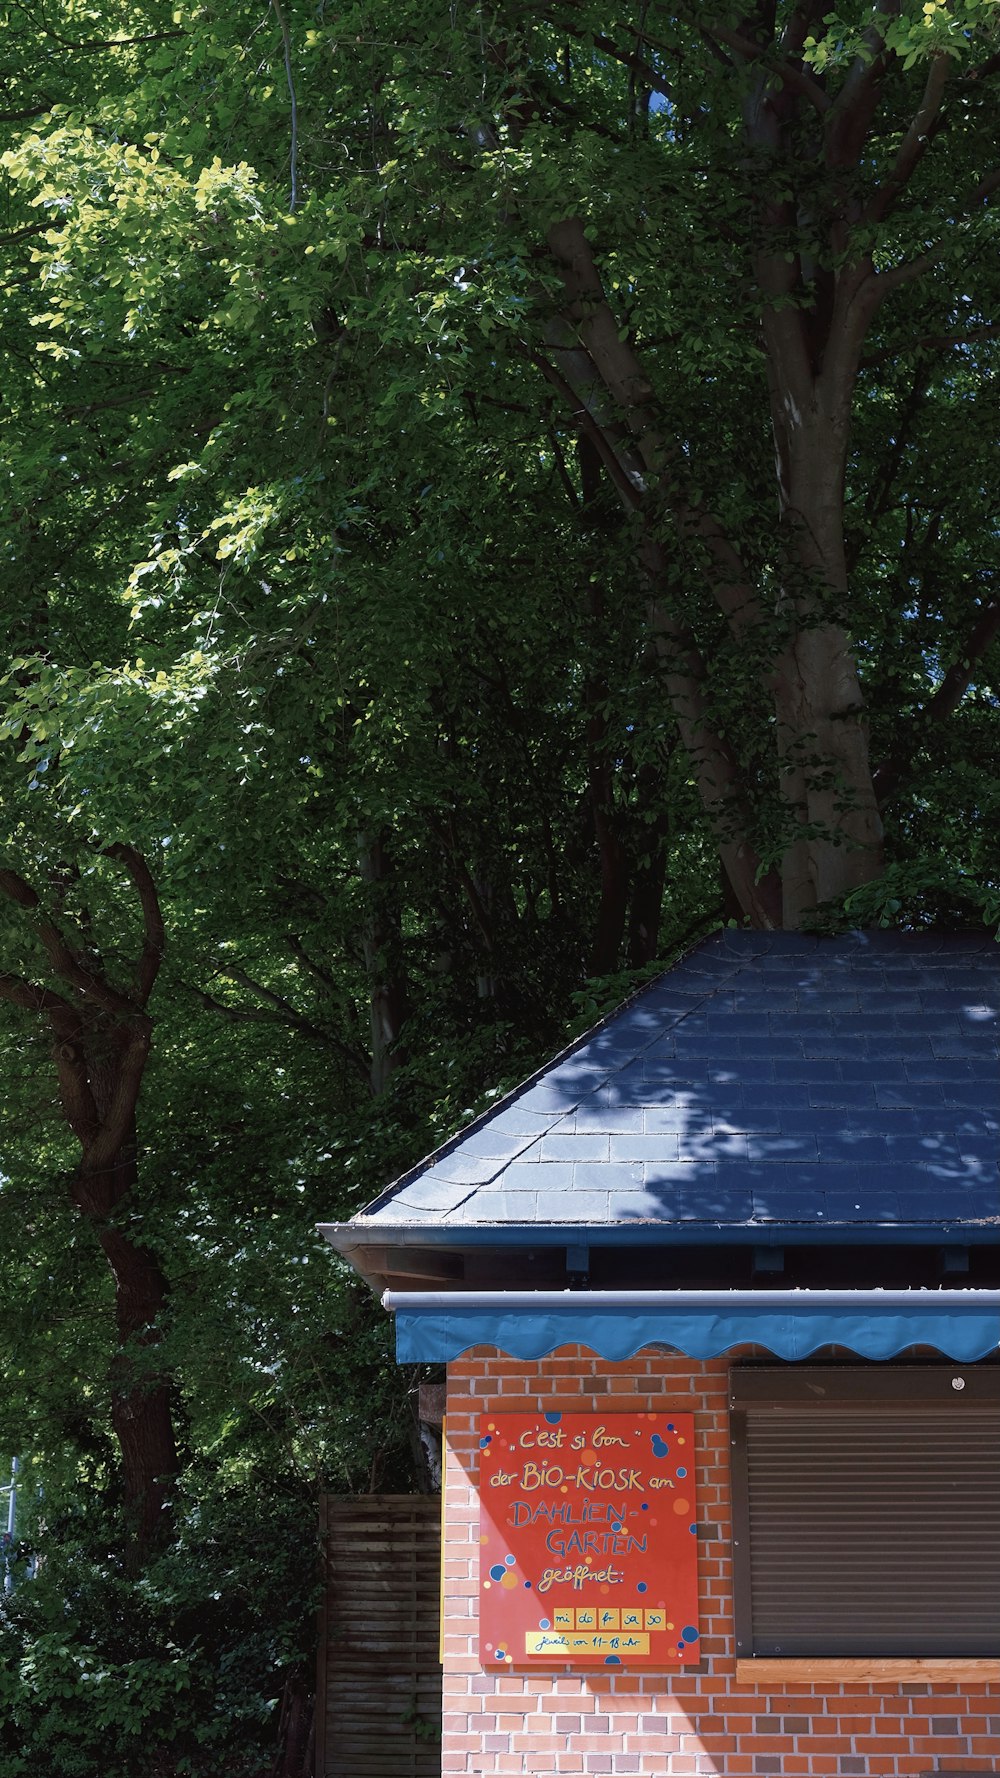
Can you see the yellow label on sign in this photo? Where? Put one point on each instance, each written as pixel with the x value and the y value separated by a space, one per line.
pixel 547 1642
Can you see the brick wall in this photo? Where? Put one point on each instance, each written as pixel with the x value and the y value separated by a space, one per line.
pixel 673 1724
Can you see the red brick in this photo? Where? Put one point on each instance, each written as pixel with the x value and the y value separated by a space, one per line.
pixel 692 1724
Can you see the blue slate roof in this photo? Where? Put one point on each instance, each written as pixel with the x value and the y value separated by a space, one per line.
pixel 769 1079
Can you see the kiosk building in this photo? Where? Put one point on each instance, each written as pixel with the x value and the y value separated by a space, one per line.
pixel 718 1293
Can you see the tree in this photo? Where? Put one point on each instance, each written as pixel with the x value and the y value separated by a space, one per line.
pixel 830 139
pixel 101 1033
pixel 831 179
pixel 490 495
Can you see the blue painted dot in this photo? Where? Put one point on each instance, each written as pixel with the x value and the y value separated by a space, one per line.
pixel 544 1623
pixel 682 1471
pixel 670 1426
pixel 693 1530
pixel 486 1440
pixel 680 1647
pixel 553 1419
pixel 612 1661
pixel 498 1571
pixel 689 1633
pixel 641 1587
pixel 617 1527
pixel 499 1654
pixel 645 1506
pixel 527 1583
pixel 510 1560
pixel 660 1447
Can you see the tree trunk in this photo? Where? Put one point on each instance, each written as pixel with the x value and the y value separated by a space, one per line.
pixel 140 1400
pixel 650 873
pixel 605 955
pixel 822 727
pixel 808 143
pixel 382 944
pixel 141 1411
pixel 101 1041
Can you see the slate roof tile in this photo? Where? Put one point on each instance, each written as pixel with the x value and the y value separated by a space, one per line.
pixel 939 1070
pixel 878 1204
pixel 747 1070
pixel 571 1147
pixel 583 1206
pixel 462 1169
pixel 846 1093
pixel 608 1117
pixel 429 1194
pixel 517 1120
pixel 630 1088
pixel 524 1176
pixel 606 1175
pixel 491 1206
pixel 798 1146
pixel 420 1212
pixel 768 1079
pixel 984 1101
pixel 683 1206
pixel 493 1144
pixel 755 1121
pixel 723 1147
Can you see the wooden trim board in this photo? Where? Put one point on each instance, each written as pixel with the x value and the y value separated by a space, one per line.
pixel 767 1670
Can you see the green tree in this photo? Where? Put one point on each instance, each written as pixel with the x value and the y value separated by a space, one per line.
pixel 489 495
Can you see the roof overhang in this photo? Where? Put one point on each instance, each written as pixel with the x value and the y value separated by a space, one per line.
pixel 354 1236
pixel 436 1326
pixel 499 1256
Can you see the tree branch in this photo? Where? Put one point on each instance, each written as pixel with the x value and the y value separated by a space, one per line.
pixel 880 489
pixel 25 116
pixel 945 700
pixel 299 951
pixel 32 996
pixel 444 833
pixel 30 228
pixel 936 342
pixel 985 69
pixel 636 64
pixel 67 967
pixel 857 102
pixel 283 1013
pixel 578 411
pixel 117 1118
pixel 293 159
pixel 800 22
pixel 151 956
pixel 71 1070
pixel 797 80
pixel 714 764
pixel 562 471
pixel 908 269
pixel 107 42
pixel 915 143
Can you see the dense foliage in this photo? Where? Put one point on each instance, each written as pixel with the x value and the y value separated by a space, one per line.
pixel 491 492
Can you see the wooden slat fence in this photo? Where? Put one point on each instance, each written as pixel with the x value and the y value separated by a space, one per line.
pixel 378 1693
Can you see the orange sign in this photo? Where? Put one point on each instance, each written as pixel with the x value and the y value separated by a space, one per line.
pixel 588 1540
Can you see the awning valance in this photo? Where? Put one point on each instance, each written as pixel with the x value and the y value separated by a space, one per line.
pixel 435 1326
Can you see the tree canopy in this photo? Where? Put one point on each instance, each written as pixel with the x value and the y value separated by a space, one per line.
pixel 491 493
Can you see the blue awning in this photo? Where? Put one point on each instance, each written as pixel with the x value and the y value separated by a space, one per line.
pixel 435 1326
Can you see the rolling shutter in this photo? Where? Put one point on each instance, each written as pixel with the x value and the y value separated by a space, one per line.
pixel 867 1511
